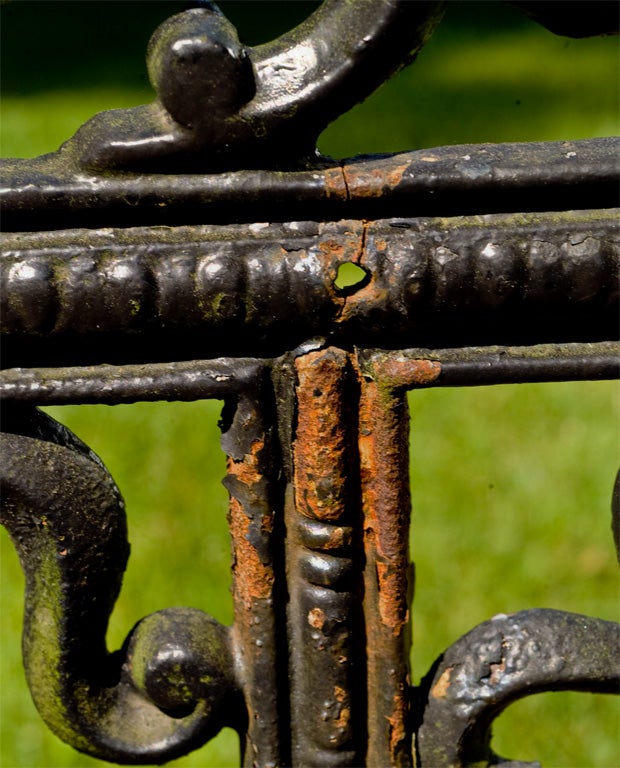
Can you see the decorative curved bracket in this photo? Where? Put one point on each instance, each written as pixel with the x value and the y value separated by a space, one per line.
pixel 501 661
pixel 223 105
pixel 172 686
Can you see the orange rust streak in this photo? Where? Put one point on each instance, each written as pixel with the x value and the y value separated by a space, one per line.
pixel 398 732
pixel 335 184
pixel 401 373
pixel 319 449
pixel 390 605
pixel 253 579
pixel 363 181
pixel 384 470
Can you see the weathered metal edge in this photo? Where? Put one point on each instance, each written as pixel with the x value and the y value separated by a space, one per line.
pixel 203 379
pixel 43 193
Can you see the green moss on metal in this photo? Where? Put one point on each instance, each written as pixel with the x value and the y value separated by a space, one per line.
pixel 42 643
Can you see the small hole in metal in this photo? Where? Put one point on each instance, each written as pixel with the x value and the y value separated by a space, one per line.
pixel 350 277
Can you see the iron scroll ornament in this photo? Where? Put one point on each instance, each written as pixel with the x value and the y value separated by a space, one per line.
pixel 221 105
pixel 165 692
pixel 179 677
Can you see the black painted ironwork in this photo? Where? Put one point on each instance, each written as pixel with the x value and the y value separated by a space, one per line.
pixel 477 265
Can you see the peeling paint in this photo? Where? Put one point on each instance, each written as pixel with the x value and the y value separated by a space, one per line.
pixel 496 671
pixel 254 580
pixel 344 709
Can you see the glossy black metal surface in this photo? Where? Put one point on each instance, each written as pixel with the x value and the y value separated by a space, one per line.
pixel 498 178
pixel 501 661
pixel 175 294
pixel 222 105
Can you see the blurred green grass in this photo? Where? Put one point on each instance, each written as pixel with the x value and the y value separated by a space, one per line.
pixel 511 484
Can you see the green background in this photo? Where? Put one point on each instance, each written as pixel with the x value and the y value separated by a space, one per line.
pixel 511 484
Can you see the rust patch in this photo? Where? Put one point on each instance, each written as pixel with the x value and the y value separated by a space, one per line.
pixel 440 689
pixel 398 732
pixel 319 448
pixel 246 470
pixel 376 180
pixel 253 579
pixel 384 470
pixel 391 585
pixel 335 184
pixel 384 465
pixel 332 246
pixel 370 296
pixel 344 708
pixel 316 618
pixel 339 537
pixel 338 247
pixel 401 372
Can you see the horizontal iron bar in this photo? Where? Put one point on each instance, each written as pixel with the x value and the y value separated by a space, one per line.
pixel 479 366
pixel 113 384
pixel 204 379
pixel 509 367
pixel 160 294
pixel 46 193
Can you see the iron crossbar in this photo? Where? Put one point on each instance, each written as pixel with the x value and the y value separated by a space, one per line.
pixel 193 249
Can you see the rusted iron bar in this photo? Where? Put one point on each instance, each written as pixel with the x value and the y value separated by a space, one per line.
pixel 254 518
pixel 388 584
pixel 467 281
pixel 324 566
pixel 471 366
pixel 181 671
